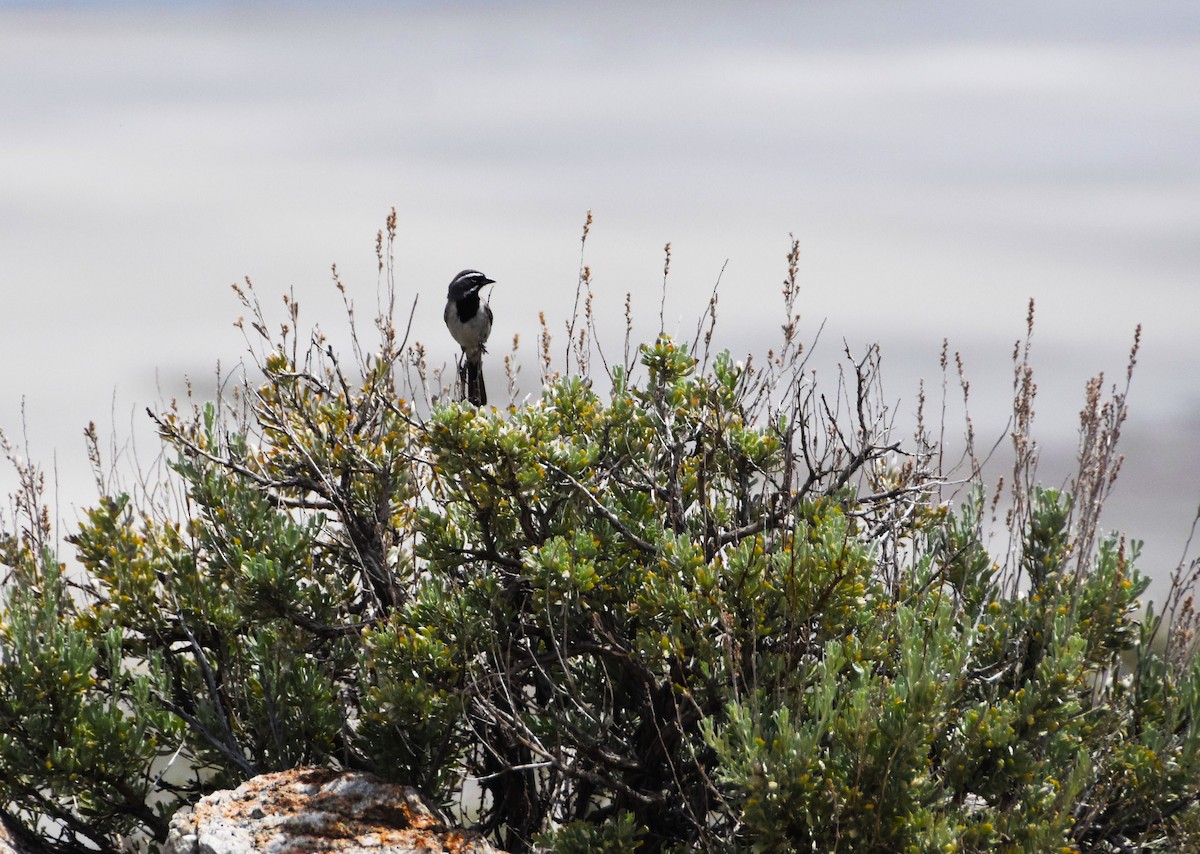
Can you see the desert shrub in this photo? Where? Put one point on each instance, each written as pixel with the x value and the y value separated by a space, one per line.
pixel 711 607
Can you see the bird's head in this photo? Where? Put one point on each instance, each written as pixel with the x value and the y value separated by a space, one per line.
pixel 467 283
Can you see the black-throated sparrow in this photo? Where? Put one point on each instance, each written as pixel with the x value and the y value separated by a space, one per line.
pixel 470 322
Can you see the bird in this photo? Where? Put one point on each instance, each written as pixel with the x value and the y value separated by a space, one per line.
pixel 470 323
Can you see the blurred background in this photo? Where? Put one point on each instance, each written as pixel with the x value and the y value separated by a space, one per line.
pixel 939 163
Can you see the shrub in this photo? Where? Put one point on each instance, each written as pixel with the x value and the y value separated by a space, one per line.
pixel 712 608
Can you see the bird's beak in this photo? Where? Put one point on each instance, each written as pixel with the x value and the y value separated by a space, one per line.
pixel 488 281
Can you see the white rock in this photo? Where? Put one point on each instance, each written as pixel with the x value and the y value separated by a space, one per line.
pixel 312 809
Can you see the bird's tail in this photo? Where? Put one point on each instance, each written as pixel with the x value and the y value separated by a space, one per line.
pixel 470 377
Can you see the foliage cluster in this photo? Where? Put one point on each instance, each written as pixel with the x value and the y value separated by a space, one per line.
pixel 714 608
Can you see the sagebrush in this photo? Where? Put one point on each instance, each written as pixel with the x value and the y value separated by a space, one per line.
pixel 674 602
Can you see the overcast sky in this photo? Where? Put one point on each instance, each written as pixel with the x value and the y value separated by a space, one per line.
pixel 940 164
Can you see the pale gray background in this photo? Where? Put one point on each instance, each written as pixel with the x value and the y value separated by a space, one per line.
pixel 940 163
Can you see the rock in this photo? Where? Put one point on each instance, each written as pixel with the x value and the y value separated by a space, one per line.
pixel 8 842
pixel 310 810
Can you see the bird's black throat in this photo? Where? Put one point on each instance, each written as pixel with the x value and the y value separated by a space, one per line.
pixel 467 307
